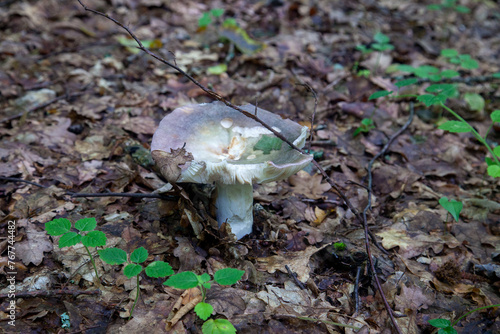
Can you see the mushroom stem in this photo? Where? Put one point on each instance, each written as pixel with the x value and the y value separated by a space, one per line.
pixel 234 204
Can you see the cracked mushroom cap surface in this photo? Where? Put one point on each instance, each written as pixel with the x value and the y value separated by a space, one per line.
pixel 205 143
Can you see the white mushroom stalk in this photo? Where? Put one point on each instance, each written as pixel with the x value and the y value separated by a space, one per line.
pixel 212 143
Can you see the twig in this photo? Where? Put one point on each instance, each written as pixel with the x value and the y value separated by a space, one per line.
pixel 368 206
pixel 356 289
pixel 133 195
pixel 294 276
pixel 51 293
pixel 15 179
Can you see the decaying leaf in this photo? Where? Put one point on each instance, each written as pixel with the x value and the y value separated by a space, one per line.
pixel 169 163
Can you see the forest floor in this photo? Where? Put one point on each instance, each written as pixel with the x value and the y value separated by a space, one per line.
pixel 79 103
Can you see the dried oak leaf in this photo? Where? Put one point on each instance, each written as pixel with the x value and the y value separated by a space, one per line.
pixel 169 163
pixel 308 185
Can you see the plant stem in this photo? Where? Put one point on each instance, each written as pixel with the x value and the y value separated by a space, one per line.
pixel 474 310
pixel 476 134
pixel 136 298
pixel 93 263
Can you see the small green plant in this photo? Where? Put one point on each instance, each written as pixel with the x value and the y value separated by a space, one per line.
pixel 62 226
pixel 188 280
pixel 449 5
pixel 438 93
pixel 453 207
pixel 366 126
pixel 339 246
pixel 116 256
pixel 445 326
pixel 381 43
pixel 207 18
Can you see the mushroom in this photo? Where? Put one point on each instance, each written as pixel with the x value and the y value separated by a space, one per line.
pixel 213 143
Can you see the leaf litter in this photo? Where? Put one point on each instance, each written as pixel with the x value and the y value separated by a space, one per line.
pixel 436 268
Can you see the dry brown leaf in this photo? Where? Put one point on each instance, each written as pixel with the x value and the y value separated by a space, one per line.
pixel 308 185
pixel 169 162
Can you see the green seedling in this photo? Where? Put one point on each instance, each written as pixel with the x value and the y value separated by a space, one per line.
pixel 438 93
pixel 207 18
pixel 62 226
pixel 453 207
pixel 133 268
pixel 188 280
pixel 449 5
pixel 445 326
pixel 65 323
pixel 366 126
pixel 381 43
pixel 339 246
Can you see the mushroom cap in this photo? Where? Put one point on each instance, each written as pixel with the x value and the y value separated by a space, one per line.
pixel 225 146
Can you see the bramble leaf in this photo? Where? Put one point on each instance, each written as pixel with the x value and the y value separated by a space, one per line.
pixel 228 276
pixel 380 93
pixel 113 255
pixel 456 126
pixel 184 280
pixel 448 53
pixel 94 239
pixel 218 326
pixel 132 270
pixel 159 269
pixel 69 239
pixel 59 226
pixel 139 255
pixel 494 171
pixel 406 82
pixel 86 224
pixel 203 310
pixel 495 117
pixel 440 323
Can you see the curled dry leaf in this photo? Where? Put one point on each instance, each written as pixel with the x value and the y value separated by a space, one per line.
pixel 169 163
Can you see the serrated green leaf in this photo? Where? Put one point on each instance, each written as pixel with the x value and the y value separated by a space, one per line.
pixel 440 323
pixel 69 239
pixel 456 126
pixel 113 255
pixel 380 93
pixel 203 310
pixel 86 224
pixel 449 74
pixel 207 286
pixel 475 101
pixel 217 69
pixel 94 239
pixel 139 255
pixel 430 100
pixel 489 161
pixel 228 276
pixel 494 171
pixel 266 144
pixel 495 116
pixel 159 269
pixel 58 226
pixel 448 53
pixel 204 20
pixel 434 7
pixel 217 12
pixel 406 68
pixel 469 64
pixel 203 278
pixel 381 38
pixel 453 207
pixel 184 280
pixel 426 71
pixel 447 90
pixel 132 270
pixel 405 82
pixel 496 151
pixel 218 326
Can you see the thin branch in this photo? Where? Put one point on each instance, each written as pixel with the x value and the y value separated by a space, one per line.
pixel 294 276
pixel 15 179
pixel 368 206
pixel 133 195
